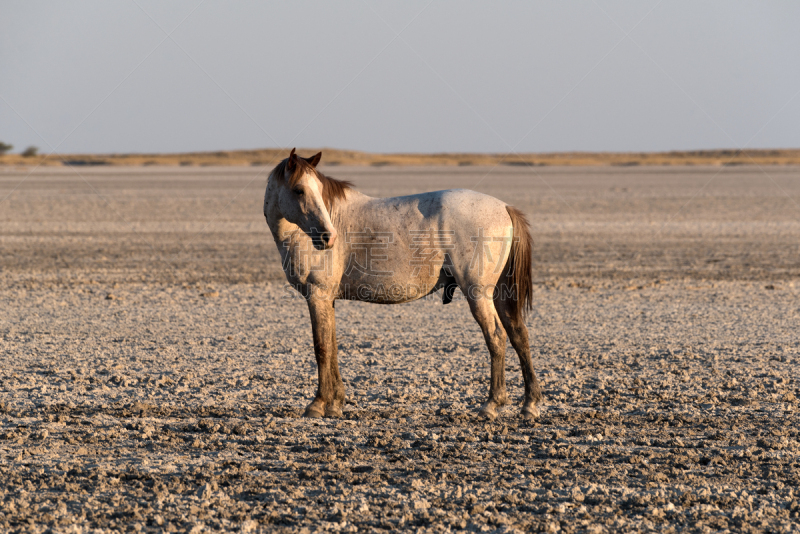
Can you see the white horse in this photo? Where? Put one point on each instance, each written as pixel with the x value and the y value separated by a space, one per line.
pixel 336 243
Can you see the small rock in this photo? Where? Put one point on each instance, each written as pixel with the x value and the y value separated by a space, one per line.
pixel 248 526
pixel 242 429
pixel 205 492
pixel 363 468
pixel 111 296
pixel 210 294
pixel 421 504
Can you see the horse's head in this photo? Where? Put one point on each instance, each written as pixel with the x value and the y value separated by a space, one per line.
pixel 301 198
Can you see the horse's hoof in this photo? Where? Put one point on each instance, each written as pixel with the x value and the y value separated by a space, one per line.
pixel 314 410
pixel 313 413
pixel 488 411
pixel 333 411
pixel 530 413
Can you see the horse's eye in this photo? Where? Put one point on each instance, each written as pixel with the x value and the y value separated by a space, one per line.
pixel 298 192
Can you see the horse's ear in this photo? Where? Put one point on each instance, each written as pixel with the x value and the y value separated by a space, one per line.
pixel 314 160
pixel 291 164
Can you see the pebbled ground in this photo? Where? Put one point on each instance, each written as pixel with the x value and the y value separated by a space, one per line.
pixel 155 366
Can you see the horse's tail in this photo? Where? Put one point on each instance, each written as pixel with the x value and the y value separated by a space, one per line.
pixel 519 268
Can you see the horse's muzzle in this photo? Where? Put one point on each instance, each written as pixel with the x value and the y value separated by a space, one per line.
pixel 329 238
pixel 323 240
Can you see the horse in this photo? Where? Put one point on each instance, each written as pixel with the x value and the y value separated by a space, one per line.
pixel 337 243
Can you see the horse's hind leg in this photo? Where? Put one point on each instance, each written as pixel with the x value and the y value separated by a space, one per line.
pixel 518 334
pixel 330 390
pixel 484 313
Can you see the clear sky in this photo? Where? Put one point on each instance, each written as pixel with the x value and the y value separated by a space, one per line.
pixel 428 76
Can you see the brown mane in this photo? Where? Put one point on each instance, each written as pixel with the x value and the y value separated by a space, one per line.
pixel 332 189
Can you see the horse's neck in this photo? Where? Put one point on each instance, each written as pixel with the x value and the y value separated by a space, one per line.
pixel 342 211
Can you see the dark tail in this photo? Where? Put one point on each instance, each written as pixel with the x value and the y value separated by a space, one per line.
pixel 519 269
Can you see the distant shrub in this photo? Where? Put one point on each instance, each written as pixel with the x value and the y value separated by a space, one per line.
pixel 30 152
pixel 5 147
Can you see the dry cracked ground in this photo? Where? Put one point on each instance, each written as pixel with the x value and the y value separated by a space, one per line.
pixel 155 367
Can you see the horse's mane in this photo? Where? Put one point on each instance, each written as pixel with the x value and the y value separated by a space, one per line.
pixel 332 189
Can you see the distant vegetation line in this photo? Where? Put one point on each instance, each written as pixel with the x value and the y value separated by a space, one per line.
pixel 270 157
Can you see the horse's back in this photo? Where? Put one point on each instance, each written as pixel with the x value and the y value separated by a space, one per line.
pixel 474 210
pixel 447 210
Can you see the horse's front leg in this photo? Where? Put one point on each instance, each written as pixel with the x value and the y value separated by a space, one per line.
pixel 335 410
pixel 330 391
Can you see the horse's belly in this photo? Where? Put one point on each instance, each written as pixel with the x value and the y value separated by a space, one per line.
pixel 386 294
pixel 395 287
